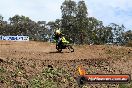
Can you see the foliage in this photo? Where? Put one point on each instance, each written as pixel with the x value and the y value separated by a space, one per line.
pixel 52 78
pixel 75 24
pixel 21 25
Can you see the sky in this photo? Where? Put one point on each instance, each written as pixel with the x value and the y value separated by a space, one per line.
pixel 108 11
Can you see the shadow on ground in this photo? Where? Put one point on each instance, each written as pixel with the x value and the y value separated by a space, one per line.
pixel 57 52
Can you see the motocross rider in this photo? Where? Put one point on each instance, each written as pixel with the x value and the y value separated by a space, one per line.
pixel 58 37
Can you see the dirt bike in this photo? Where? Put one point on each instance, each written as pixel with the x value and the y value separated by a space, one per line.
pixel 63 45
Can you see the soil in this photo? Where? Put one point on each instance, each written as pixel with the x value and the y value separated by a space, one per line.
pixel 33 56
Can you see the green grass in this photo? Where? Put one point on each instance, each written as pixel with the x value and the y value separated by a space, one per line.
pixel 129 85
pixel 47 77
pixel 2 70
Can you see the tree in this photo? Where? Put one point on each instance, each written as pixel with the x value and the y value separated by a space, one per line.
pixel 68 9
pixel 92 30
pixel 21 25
pixel 109 34
pixel 128 36
pixel 3 26
pixel 42 23
pixel 82 22
pixel 51 25
pixel 118 32
pixel 75 24
pixel 1 20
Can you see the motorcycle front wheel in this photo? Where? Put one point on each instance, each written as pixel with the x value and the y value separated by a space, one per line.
pixel 58 48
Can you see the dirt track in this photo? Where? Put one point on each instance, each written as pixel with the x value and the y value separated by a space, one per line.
pixel 101 59
pixel 44 51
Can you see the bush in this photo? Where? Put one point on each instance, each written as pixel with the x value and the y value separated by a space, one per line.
pixel 129 44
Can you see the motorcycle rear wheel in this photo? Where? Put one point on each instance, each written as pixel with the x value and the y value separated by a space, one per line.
pixel 70 48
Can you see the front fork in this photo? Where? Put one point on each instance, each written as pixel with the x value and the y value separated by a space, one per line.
pixel 56 45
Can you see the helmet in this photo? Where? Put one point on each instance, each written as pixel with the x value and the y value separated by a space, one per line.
pixel 57 32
